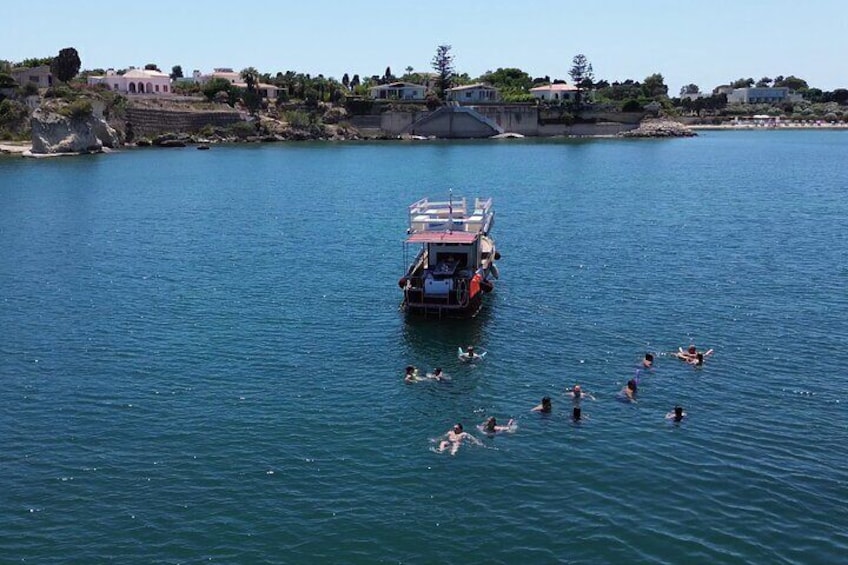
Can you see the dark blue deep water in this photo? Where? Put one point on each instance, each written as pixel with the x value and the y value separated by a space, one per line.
pixel 202 355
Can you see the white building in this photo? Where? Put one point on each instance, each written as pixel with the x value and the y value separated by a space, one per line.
pixel 398 91
pixel 555 92
pixel 135 81
pixel 473 93
pixel 762 95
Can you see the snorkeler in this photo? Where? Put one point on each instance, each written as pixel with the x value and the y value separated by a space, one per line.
pixel 544 407
pixel 490 426
pixel 454 438
pixel 677 415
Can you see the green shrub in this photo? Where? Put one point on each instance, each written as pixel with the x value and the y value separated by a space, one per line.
pixel 80 108
pixel 631 106
pixel 29 89
pixel 299 119
pixel 62 91
pixel 242 130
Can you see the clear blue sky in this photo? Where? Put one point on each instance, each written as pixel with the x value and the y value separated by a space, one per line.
pixel 688 41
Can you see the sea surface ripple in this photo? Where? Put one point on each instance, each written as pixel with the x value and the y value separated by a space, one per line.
pixel 202 355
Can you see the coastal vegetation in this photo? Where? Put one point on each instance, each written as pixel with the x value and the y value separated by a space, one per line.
pixel 306 103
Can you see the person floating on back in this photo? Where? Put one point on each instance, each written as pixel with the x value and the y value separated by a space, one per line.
pixel 691 354
pixel 454 438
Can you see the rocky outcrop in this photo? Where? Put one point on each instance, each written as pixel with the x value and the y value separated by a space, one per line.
pixel 54 133
pixel 659 128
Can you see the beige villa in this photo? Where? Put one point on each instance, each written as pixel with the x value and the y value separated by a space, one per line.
pixel 398 91
pixel 267 91
pixel 473 94
pixel 554 92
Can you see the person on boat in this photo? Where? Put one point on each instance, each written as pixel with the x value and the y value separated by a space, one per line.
pixel 578 394
pixel 490 426
pixel 629 391
pixel 544 407
pixel 411 374
pixel 454 438
pixel 677 414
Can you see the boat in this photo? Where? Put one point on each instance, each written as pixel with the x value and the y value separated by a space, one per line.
pixel 454 257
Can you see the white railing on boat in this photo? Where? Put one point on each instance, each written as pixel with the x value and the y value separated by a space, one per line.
pixel 454 214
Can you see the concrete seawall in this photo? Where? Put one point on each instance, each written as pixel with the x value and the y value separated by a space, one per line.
pixel 521 119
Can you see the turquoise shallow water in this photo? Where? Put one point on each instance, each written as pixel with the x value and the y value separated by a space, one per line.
pixel 202 355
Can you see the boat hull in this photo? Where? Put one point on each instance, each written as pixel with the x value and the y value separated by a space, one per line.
pixel 417 304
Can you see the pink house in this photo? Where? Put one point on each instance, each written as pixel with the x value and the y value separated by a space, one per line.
pixel 135 81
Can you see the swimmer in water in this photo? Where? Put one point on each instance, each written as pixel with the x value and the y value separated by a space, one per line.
pixel 490 426
pixel 544 407
pixel 677 414
pixel 577 415
pixel 577 394
pixel 411 374
pixel 454 438
pixel 469 354
pixel 437 374
pixel 697 361
pixel 691 353
pixel 629 390
pixel 647 363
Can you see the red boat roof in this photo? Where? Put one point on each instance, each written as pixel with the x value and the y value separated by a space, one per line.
pixel 442 237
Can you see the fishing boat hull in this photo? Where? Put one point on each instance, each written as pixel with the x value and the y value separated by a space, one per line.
pixel 454 267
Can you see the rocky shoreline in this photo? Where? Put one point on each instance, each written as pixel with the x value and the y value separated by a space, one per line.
pixel 659 128
pixel 55 134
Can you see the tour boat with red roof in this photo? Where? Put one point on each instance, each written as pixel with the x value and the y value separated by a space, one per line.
pixel 454 264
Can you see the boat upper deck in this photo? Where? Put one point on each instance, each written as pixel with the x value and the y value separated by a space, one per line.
pixel 454 215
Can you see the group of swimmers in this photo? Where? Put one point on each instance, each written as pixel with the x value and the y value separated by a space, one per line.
pixel 454 437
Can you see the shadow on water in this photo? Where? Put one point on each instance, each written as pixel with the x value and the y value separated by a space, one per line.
pixel 433 338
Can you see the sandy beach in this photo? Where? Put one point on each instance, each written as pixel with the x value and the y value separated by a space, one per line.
pixel 17 148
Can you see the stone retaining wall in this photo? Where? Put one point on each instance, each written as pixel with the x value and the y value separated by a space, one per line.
pixel 149 121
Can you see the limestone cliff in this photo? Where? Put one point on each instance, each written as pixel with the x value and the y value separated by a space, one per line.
pixel 54 132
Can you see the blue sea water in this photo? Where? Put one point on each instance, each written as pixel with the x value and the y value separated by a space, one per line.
pixel 202 355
